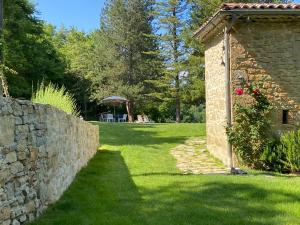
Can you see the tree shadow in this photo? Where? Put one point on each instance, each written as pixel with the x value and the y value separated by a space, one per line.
pixel 136 134
pixel 102 193
pixel 219 203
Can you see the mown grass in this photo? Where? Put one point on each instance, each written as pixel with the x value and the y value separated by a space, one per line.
pixel 133 181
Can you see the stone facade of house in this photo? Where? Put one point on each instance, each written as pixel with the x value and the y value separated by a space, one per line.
pixel 265 49
pixel 270 52
pixel 215 97
pixel 41 151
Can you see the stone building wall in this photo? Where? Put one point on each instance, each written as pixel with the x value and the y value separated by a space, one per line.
pixel 215 98
pixel 266 51
pixel 270 51
pixel 41 151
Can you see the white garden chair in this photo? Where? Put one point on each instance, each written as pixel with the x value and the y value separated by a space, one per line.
pixel 123 119
pixel 110 118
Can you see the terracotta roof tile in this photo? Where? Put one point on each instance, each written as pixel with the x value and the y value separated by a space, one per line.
pixel 234 6
pixel 254 7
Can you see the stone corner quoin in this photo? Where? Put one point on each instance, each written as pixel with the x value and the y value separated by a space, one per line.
pixel 41 151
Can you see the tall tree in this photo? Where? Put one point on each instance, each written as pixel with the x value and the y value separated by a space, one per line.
pixel 172 17
pixel 28 52
pixel 75 47
pixel 127 38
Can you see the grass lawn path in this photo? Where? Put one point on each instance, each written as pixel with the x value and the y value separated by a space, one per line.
pixel 133 180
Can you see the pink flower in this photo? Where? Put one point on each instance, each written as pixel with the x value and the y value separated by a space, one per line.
pixel 239 91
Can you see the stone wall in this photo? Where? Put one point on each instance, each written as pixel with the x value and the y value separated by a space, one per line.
pixel 41 151
pixel 215 98
pixel 270 51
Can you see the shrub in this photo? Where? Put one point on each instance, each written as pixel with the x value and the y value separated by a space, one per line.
pixel 290 143
pixel 274 157
pixel 284 154
pixel 57 97
pixel 193 114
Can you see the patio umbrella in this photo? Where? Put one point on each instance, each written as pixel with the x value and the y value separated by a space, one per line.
pixel 114 100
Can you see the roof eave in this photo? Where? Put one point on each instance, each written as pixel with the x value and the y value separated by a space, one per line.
pixel 211 24
pixel 202 32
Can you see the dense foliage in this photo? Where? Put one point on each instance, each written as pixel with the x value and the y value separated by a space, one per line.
pixel 28 51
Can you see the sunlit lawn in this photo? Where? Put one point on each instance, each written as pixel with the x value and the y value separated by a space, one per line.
pixel 133 181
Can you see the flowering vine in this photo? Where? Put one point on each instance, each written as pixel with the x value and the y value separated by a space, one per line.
pixel 249 133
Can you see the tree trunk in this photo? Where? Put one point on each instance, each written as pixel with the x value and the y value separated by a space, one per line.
pixel 176 56
pixel 85 105
pixel 178 119
pixel 129 106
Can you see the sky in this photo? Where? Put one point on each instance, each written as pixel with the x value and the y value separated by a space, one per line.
pixel 83 14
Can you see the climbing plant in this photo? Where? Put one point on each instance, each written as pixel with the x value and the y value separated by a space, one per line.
pixel 249 134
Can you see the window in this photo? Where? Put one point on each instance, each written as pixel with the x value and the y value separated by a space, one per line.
pixel 285 116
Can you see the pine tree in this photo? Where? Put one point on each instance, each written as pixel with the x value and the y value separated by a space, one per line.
pixel 126 38
pixel 172 17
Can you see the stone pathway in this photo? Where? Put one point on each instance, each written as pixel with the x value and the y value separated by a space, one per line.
pixel 193 158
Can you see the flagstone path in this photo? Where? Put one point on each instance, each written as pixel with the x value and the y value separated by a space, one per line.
pixel 193 158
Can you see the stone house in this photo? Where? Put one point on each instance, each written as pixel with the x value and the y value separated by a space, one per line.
pixel 250 42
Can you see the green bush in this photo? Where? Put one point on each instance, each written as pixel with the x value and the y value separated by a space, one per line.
pixel 291 146
pixel 273 157
pixel 283 155
pixel 193 114
pixel 57 97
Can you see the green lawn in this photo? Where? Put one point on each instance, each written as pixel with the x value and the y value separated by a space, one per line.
pixel 133 181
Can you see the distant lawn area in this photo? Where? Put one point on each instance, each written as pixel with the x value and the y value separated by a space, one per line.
pixel 133 180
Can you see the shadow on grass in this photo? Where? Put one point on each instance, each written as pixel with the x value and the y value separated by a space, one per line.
pixel 104 193
pixel 120 134
pixel 219 203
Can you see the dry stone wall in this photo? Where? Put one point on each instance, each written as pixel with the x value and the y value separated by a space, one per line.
pixel 41 150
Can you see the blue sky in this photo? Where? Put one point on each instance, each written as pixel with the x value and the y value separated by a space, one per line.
pixel 83 14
